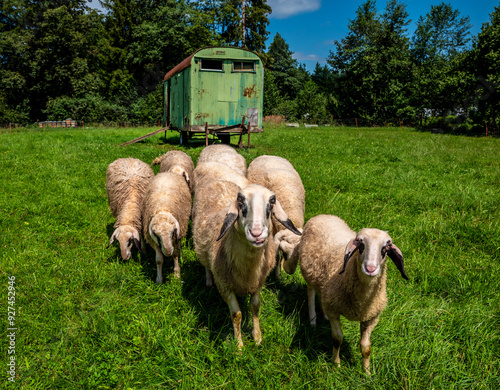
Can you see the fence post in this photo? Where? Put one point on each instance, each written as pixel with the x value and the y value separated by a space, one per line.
pixel 400 127
pixel 83 125
pixel 486 124
pixel 356 119
pixel 10 127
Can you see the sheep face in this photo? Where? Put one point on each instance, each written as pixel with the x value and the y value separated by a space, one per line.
pixel 252 209
pixel 164 232
pixel 373 247
pixel 127 236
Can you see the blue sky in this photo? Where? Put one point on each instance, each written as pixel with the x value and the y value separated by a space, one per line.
pixel 311 26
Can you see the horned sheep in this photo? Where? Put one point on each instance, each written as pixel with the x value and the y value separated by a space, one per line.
pixel 279 175
pixel 166 211
pixel 348 271
pixel 240 255
pixel 126 183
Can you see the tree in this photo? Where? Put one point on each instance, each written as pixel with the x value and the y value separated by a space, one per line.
pixel 48 50
pixel 440 38
pixel 372 62
pixel 289 75
pixel 484 64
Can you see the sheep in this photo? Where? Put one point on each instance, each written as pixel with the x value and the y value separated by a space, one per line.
pixel 166 211
pixel 279 175
pixel 126 182
pixel 178 162
pixel 232 235
pixel 208 171
pixel 224 154
pixel 355 289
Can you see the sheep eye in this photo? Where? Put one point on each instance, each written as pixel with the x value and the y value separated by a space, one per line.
pixel 269 207
pixel 244 209
pixel 361 247
pixel 272 200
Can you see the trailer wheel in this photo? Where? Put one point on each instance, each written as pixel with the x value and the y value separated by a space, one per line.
pixel 184 138
pixel 224 138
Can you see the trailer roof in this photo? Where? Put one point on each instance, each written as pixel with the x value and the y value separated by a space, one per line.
pixel 187 61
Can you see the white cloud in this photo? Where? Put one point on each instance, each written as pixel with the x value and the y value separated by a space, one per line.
pixel 283 9
pixel 299 56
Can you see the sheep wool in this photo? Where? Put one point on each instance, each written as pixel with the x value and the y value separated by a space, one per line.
pixel 166 211
pixel 126 183
pixel 348 272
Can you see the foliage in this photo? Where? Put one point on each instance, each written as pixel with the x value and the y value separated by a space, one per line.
pixel 372 62
pixel 60 52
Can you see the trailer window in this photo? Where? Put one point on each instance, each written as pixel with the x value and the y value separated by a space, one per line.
pixel 243 66
pixel 211 65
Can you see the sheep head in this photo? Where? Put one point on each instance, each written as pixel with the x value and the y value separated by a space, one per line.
pixel 373 247
pixel 164 231
pixel 126 236
pixel 182 172
pixel 252 209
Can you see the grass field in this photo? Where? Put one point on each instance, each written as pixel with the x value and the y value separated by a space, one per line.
pixel 86 319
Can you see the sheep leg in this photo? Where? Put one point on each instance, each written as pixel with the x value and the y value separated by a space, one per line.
pixel 235 312
pixel 159 264
pixel 337 339
pixel 177 269
pixel 366 329
pixel 254 308
pixel 209 278
pixel 311 294
pixel 277 269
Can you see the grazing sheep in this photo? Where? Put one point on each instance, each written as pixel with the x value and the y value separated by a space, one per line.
pixel 279 175
pixel 126 182
pixel 178 162
pixel 233 240
pixel 205 172
pixel 166 210
pixel 224 154
pixel 355 289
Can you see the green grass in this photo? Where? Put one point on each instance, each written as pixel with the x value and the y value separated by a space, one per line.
pixel 88 320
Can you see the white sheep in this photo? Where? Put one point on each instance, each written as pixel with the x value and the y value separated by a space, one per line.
pixel 166 211
pixel 279 175
pixel 178 162
pixel 224 154
pixel 205 172
pixel 232 235
pixel 126 182
pixel 355 289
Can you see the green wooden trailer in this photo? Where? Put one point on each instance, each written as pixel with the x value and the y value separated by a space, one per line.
pixel 216 90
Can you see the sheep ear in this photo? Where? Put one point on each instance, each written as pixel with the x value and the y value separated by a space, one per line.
pixel 350 249
pixel 231 217
pixel 137 244
pixel 281 216
pixel 113 238
pixel 397 257
pixel 186 177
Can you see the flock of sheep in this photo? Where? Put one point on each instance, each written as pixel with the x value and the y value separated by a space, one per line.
pixel 242 218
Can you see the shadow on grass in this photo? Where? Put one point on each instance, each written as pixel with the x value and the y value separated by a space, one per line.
pixel 313 341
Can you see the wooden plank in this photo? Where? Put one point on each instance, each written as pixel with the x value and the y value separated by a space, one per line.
pixel 144 136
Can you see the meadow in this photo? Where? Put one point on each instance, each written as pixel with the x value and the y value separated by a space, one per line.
pixel 85 319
